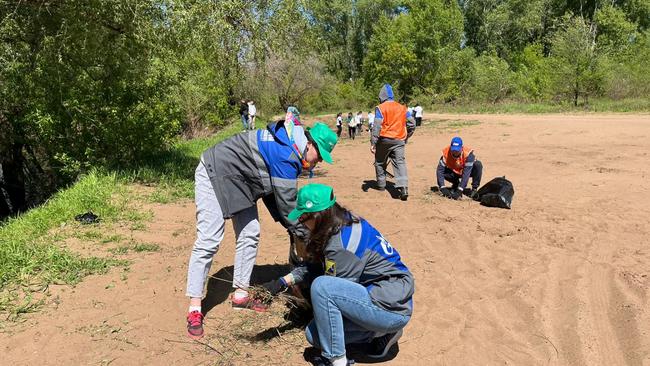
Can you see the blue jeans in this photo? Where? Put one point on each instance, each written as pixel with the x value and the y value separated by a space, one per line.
pixel 244 121
pixel 344 313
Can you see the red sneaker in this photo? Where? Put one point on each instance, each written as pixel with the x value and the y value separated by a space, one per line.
pixel 248 304
pixel 195 324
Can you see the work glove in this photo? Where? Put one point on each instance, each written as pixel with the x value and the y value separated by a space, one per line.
pixel 445 192
pixel 457 194
pixel 275 286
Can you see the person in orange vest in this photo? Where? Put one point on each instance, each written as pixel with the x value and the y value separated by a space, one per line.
pixel 392 128
pixel 457 164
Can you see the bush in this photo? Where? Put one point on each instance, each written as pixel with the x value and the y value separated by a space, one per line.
pixel 491 79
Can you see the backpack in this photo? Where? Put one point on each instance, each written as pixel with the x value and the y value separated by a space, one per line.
pixel 496 193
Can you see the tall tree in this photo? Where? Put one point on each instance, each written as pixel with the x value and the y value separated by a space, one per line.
pixel 409 49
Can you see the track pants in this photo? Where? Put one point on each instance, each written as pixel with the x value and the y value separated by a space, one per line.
pixel 210 226
pixel 393 149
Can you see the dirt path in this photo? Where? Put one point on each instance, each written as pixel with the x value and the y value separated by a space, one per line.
pixel 561 279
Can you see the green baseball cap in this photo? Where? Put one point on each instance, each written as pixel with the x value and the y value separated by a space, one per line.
pixel 324 138
pixel 313 197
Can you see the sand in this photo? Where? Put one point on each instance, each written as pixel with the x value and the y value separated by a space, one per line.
pixel 560 279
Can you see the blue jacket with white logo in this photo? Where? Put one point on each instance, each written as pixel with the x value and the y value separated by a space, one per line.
pixel 359 253
pixel 253 165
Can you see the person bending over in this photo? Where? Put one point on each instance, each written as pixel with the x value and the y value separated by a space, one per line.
pixel 457 164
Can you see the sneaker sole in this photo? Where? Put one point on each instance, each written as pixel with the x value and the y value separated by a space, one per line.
pixel 390 344
pixel 195 337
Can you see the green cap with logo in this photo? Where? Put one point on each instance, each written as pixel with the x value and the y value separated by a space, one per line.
pixel 313 197
pixel 324 138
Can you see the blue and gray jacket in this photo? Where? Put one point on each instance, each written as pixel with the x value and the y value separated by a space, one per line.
pixel 360 253
pixel 257 164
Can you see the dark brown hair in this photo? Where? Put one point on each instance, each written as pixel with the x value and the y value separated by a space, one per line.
pixel 327 223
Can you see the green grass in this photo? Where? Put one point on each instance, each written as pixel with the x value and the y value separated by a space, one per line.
pixel 449 125
pixel 172 172
pixel 31 259
pixel 136 247
pixel 31 253
pixel 595 105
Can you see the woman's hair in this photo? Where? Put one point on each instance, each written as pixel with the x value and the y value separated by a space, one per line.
pixel 327 223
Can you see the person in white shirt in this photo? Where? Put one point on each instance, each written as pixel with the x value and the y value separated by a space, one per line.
pixel 418 114
pixel 371 120
pixel 339 124
pixel 252 111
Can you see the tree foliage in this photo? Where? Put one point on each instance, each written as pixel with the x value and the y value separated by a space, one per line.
pixel 110 83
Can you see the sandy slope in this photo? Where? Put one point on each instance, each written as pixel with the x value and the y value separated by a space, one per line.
pixel 561 279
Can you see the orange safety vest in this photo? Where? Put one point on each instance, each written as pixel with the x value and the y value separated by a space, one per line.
pixel 393 124
pixel 456 165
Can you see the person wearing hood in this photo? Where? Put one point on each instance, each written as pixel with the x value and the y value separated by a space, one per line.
pixel 393 126
pixel 229 180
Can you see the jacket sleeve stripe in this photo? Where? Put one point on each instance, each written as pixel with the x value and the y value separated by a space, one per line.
pixel 284 182
pixel 259 161
pixel 355 238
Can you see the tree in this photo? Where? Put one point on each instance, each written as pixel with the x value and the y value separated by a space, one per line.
pixel 293 78
pixel 504 27
pixel 409 49
pixel 615 32
pixel 575 60
pixel 491 78
pixel 344 28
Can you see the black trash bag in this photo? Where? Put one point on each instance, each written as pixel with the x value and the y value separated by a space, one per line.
pixel 87 218
pixel 496 193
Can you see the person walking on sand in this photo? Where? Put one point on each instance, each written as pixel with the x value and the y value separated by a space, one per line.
pixel 418 114
pixel 364 293
pixel 252 113
pixel 371 120
pixel 352 126
pixel 231 176
pixel 393 126
pixel 339 124
pixel 456 165
pixel 359 121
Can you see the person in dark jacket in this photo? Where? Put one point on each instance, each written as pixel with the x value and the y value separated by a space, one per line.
pixel 243 112
pixel 365 294
pixel 229 180
pixel 339 124
pixel 456 165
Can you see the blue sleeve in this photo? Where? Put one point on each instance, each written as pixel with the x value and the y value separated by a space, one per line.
pixel 467 170
pixel 286 169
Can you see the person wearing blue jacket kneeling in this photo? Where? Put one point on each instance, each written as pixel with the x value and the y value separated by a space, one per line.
pixel 365 294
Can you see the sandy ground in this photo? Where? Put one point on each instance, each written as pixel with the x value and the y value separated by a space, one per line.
pixel 561 279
